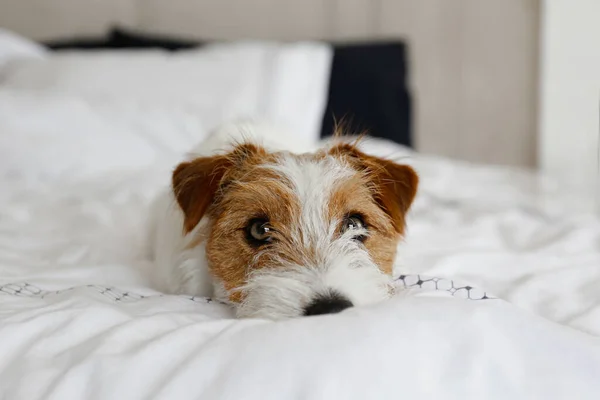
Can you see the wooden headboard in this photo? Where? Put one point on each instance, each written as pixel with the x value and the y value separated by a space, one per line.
pixel 473 62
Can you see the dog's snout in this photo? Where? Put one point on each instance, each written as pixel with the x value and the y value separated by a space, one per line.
pixel 329 304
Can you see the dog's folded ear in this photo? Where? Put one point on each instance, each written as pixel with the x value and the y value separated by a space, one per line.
pixel 197 182
pixel 394 185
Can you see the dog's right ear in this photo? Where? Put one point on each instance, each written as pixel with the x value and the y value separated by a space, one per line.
pixel 195 183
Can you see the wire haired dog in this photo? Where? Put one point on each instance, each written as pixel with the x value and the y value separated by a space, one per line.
pixel 278 234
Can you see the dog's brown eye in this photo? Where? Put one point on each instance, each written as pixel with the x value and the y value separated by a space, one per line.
pixel 259 232
pixel 354 222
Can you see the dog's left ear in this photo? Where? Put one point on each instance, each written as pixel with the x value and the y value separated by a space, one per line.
pixel 197 182
pixel 394 185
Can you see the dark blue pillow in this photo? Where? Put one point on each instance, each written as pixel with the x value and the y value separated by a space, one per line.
pixel 368 91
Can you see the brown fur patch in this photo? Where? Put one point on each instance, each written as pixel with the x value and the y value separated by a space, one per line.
pixel 355 197
pixel 253 191
pixel 393 185
pixel 195 183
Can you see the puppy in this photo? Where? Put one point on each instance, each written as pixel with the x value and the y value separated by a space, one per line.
pixel 281 234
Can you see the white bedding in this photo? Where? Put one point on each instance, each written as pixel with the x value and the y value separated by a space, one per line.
pixel 78 320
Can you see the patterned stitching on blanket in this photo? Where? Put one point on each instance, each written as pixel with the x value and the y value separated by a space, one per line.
pixel 407 281
pixel 467 292
pixel 26 290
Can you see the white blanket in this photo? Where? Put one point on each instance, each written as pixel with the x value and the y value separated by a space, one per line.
pixel 78 320
pixel 521 236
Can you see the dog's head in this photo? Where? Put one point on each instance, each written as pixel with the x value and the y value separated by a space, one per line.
pixel 288 235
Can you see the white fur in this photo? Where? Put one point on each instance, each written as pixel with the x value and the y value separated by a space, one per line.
pixel 313 183
pixel 285 289
pixel 178 268
pixel 281 290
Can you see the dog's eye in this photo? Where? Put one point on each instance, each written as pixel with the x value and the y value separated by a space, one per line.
pixel 354 222
pixel 259 231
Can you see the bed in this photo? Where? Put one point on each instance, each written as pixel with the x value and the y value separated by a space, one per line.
pixel 498 276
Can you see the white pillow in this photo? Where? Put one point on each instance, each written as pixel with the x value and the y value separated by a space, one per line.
pixel 13 47
pixel 84 113
pixel 286 83
pixel 48 137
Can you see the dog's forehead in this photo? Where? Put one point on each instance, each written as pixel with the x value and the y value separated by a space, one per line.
pixel 311 174
pixel 291 188
pixel 313 180
pixel 303 173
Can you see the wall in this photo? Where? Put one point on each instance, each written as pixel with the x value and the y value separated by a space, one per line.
pixel 473 69
pixel 570 91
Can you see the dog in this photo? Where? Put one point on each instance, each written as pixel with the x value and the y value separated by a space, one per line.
pixel 278 228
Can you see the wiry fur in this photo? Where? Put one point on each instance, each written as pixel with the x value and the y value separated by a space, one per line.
pixel 285 288
pixel 200 243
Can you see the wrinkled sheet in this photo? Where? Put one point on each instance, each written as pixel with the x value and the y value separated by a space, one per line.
pixel 524 237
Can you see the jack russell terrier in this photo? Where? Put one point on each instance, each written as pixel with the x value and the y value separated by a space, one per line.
pixel 261 221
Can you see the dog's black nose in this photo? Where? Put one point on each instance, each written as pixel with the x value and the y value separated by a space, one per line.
pixel 329 304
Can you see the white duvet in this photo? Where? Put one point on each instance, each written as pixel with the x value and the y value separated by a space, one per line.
pixel 501 272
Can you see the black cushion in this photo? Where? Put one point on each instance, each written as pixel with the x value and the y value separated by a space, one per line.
pixel 127 39
pixel 118 38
